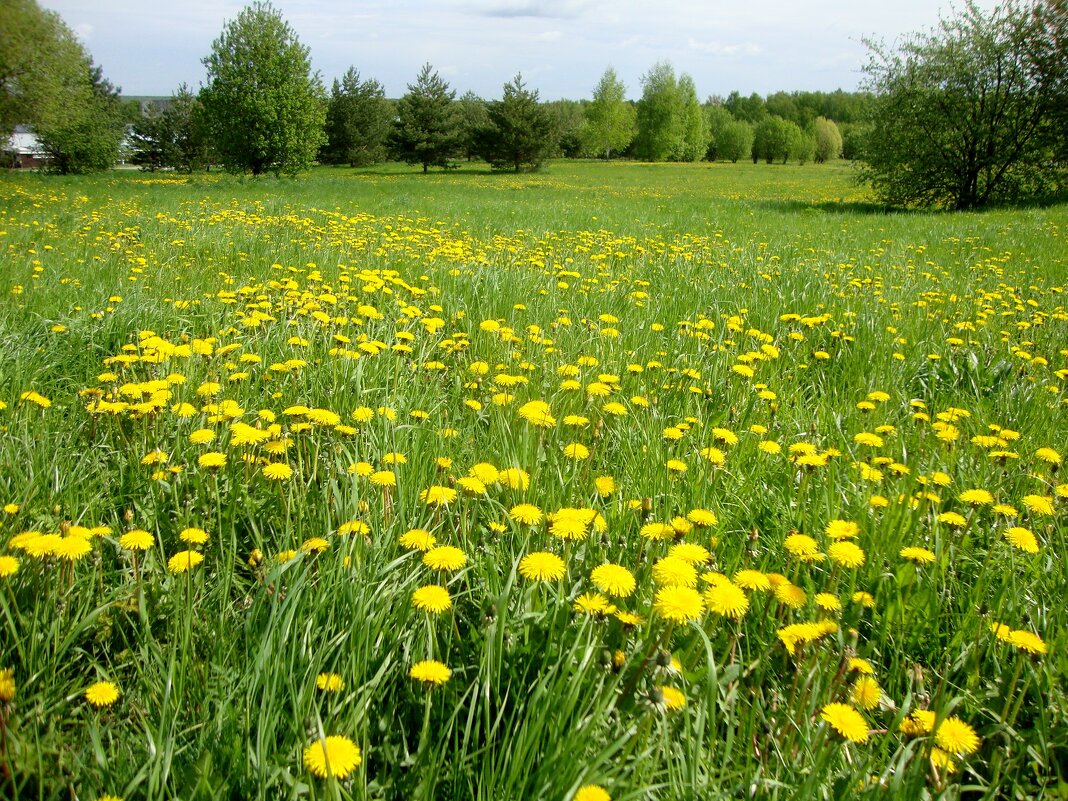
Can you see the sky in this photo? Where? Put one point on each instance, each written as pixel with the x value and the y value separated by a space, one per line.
pixel 561 47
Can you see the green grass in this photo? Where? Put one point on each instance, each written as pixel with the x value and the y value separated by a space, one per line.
pixel 724 307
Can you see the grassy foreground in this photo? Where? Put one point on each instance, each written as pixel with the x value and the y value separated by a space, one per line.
pixel 628 481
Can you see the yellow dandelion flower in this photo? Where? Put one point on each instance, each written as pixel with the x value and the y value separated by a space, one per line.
pixel 613 579
pixel 679 604
pixel 438 496
pixel 541 566
pixel 846 553
pixel 418 539
pixel 672 571
pixel 591 792
pixel 1026 641
pixel 976 497
pixel 335 756
pixel 194 536
pixel 444 558
pixel 671 698
pixel 1041 505
pixel 430 671
pixel 1022 538
pixel 847 721
pixel 432 598
pixel 330 682
pixel 102 694
pixel 727 599
pixel 184 561
pixel 212 460
pixel 866 693
pixel 956 737
pixel 537 413
pixel 920 556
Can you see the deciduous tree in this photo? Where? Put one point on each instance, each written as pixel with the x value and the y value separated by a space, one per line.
pixel 265 105
pixel 659 113
pixel 611 121
pixel 972 112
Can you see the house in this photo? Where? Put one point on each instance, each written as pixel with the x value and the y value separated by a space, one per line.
pixel 23 150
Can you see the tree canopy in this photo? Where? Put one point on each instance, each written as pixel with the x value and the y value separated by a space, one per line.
pixel 265 106
pixel 357 121
pixel 972 112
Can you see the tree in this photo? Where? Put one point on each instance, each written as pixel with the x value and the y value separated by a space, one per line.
pixel 41 65
pixel 172 134
pixel 695 137
pixel 520 134
pixel 772 138
pixel 801 145
pixel 828 140
pixel 610 120
pixel 86 135
pixel 972 112
pixel 471 111
pixel 734 141
pixel 660 117
pixel 265 106
pixel 427 129
pixel 358 121
pixel 568 119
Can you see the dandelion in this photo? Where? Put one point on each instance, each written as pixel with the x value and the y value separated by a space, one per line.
pixel 672 571
pixel 604 485
pixel 1022 538
pixel 847 721
pixel 976 497
pixel 751 580
pixel 277 471
pixel 537 413
pixel 690 552
pixel 184 561
pixel 920 556
pixel 847 554
pixel 591 792
pixel 9 566
pixel 593 603
pixel 727 599
pixel 828 601
pixel 952 519
pixel 7 685
pixel 613 579
pixel 842 529
pixel 444 558
pixel 418 539
pixel 438 496
pixel 671 698
pixel 333 756
pixel 918 723
pixel 194 536
pixel 1026 641
pixel 541 566
pixel 102 694
pixel 72 548
pixel 679 604
pixel 576 451
pixel 866 693
pixel 137 540
pixel 702 518
pixel 1048 455
pixel 1041 505
pixel 956 737
pixel 802 546
pixel 36 399
pixel 430 671
pixel 212 460
pixel 432 598
pixel 329 682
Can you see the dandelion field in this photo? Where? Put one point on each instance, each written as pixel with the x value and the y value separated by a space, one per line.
pixel 615 481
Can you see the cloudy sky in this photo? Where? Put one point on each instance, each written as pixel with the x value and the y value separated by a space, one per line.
pixel 561 46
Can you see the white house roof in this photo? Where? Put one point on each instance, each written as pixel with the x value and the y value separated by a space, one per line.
pixel 24 143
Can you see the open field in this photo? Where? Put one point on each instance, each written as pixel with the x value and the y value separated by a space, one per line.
pixel 678 481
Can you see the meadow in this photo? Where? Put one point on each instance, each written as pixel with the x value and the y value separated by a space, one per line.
pixel 616 481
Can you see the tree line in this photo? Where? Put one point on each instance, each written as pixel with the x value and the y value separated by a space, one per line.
pixel 969 113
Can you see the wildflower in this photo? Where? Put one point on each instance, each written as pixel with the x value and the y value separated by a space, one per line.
pixel 430 671
pixel 802 546
pixel 1026 641
pixel 537 413
pixel 541 566
pixel 593 603
pixel 445 558
pixel 952 519
pixel 432 598
pixel 1038 504
pixel 727 599
pixel 657 531
pixel 7 685
pixel 702 518
pixel 751 580
pixel 526 513
pixel 674 572
pixel 194 536
pixel 212 460
pixel 842 529
pixel 605 485
pixel 920 556
pixel 613 579
pixel 202 436
pixel 791 595
pixel 334 756
pixel 1048 455
pixel 690 552
pixel 1022 538
pixel 679 604
pixel 314 545
pixel 976 497
pixel 102 694
pixel 828 601
pixel 866 693
pixel 438 496
pixel 184 561
pixel 576 451
pixel 846 553
pixel 278 471
pixel 418 540
pixel 137 540
pixel 671 698
pixel 591 792
pixel 918 723
pixel 9 566
pixel 35 398
pixel 956 737
pixel 847 721
pixel 71 548
pixel 329 682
